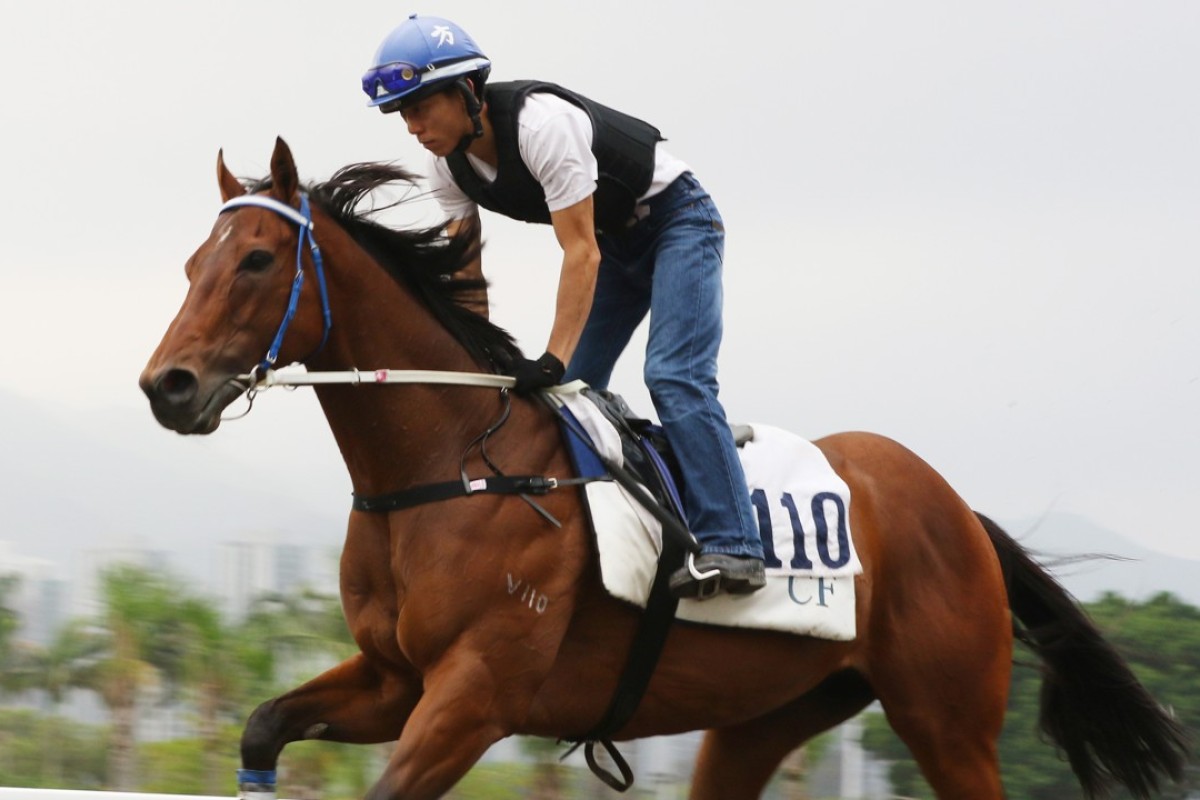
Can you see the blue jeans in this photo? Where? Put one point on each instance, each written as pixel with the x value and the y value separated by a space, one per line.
pixel 669 264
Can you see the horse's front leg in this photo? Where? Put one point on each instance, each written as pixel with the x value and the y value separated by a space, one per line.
pixel 357 701
pixel 467 706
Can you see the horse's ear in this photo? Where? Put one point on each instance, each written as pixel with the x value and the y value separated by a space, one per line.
pixel 284 183
pixel 230 186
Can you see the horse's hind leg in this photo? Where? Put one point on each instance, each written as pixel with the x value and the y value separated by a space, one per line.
pixel 945 697
pixel 352 702
pixel 735 763
pixel 956 754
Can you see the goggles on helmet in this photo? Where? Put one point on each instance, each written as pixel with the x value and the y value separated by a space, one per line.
pixel 403 81
pixel 394 78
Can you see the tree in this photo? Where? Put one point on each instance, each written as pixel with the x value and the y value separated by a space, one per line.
pixel 80 751
pixel 145 649
pixel 70 661
pixel 162 636
pixel 216 681
pixel 9 622
pixel 1161 638
pixel 286 638
pixel 301 631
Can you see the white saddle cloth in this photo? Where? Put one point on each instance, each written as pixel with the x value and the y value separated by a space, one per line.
pixel 811 562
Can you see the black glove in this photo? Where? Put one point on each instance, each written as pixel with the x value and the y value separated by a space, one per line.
pixel 533 375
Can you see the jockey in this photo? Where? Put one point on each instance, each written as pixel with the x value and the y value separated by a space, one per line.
pixel 638 234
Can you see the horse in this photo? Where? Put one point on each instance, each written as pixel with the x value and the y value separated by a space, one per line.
pixel 450 661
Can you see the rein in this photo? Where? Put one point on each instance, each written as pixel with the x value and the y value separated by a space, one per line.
pixel 385 376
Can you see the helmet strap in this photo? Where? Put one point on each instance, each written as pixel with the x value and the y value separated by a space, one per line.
pixel 474 109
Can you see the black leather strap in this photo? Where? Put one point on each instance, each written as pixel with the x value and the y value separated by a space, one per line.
pixel 620 784
pixel 644 651
pixel 646 647
pixel 433 492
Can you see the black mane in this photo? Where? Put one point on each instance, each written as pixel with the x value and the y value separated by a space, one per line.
pixel 422 259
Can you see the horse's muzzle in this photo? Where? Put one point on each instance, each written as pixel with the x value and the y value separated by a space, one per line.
pixel 181 401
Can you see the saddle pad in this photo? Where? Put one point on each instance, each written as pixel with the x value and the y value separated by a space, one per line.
pixel 802 506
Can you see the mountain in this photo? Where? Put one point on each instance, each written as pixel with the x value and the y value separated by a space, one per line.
pixel 72 483
pixel 1089 559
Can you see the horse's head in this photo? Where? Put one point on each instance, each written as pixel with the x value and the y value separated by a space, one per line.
pixel 241 282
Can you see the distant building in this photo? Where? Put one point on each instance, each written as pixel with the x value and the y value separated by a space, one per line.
pixel 249 570
pixel 40 596
pixel 96 561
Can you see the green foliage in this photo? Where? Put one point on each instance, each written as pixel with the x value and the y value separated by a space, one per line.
pixel 179 766
pixel 9 621
pixel 303 628
pixel 330 770
pixel 879 740
pixel 1161 639
pixel 509 781
pixel 43 752
pixel 494 782
pixel 141 615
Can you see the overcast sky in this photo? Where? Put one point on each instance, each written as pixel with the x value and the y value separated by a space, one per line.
pixel 974 228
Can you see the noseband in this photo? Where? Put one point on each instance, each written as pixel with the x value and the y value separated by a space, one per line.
pixel 303 221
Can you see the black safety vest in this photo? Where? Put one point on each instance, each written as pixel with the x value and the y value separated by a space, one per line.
pixel 623 147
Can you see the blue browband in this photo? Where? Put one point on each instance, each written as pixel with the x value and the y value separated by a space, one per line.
pixel 303 220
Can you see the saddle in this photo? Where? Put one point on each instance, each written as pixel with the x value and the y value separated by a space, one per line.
pixel 644 446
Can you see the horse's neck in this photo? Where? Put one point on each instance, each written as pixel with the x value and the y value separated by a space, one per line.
pixel 397 435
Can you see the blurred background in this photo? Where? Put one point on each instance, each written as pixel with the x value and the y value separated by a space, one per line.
pixel 970 228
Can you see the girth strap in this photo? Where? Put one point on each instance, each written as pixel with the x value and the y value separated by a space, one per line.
pixel 647 645
pixel 433 492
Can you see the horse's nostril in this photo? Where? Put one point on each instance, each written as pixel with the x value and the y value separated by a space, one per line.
pixel 177 385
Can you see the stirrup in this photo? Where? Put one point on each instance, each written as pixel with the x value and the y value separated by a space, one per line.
pixel 708 584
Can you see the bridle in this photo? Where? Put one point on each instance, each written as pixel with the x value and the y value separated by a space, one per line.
pixel 302 218
pixel 265 375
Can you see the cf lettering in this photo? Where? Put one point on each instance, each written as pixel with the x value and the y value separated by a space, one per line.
pixel 824 590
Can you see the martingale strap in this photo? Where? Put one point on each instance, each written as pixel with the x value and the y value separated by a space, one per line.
pixel 433 492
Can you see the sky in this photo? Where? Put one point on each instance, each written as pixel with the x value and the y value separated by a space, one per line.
pixel 974 228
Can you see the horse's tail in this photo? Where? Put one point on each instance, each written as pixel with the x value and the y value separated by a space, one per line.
pixel 1092 706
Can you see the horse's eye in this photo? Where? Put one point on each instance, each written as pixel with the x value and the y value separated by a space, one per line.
pixel 256 261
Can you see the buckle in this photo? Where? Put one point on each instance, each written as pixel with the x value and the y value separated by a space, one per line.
pixel 540 484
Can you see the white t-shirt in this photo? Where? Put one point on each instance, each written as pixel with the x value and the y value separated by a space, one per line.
pixel 555 139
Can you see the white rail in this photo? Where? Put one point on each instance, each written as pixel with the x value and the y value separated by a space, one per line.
pixel 76 794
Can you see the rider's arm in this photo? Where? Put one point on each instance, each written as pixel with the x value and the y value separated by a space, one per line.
pixel 555 138
pixel 574 227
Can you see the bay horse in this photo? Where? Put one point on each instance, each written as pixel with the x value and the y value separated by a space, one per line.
pixel 451 661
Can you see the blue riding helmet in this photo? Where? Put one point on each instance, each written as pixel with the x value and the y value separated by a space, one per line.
pixel 422 55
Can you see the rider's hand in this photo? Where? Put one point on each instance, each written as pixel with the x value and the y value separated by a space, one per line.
pixel 534 375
